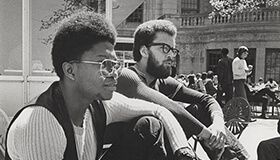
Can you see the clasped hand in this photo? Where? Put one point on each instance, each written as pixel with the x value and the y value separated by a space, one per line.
pixel 217 138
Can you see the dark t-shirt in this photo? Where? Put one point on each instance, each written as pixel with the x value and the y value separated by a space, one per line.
pixel 224 71
pixel 133 84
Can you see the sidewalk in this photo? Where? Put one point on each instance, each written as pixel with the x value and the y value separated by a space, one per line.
pixel 254 133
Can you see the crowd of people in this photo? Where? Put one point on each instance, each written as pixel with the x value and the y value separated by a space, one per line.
pixel 225 85
pixel 141 110
pixel 233 82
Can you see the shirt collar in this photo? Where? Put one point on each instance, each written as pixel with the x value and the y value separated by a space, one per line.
pixel 143 77
pixel 140 74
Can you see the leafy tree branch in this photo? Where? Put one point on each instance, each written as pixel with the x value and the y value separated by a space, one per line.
pixel 231 7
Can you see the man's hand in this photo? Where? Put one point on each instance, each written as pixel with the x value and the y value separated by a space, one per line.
pixel 217 139
pixel 250 67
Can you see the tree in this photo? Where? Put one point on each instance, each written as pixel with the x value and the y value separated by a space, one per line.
pixel 68 7
pixel 231 7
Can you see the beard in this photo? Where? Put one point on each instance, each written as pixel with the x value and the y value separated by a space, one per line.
pixel 156 70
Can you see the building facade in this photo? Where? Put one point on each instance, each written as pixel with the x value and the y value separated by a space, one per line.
pixel 200 39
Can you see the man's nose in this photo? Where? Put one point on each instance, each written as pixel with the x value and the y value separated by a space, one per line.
pixel 114 74
pixel 170 57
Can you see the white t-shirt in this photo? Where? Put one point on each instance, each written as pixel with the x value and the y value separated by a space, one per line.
pixel 239 67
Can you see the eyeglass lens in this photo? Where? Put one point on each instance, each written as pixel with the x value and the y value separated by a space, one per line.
pixel 110 68
pixel 166 49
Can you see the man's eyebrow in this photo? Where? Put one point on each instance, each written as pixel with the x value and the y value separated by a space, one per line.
pixel 102 56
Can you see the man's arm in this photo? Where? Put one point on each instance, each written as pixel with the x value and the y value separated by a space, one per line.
pixel 131 86
pixel 191 96
pixel 36 134
pixel 220 73
pixel 209 105
pixel 278 126
pixel 121 108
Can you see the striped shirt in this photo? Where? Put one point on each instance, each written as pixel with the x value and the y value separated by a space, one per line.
pixel 36 134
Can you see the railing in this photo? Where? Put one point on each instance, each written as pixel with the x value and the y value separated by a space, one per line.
pixel 264 15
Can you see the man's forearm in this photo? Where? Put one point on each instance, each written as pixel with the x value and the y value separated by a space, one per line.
pixel 217 118
pixel 188 122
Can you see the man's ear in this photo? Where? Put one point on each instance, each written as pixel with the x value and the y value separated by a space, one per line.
pixel 144 51
pixel 68 70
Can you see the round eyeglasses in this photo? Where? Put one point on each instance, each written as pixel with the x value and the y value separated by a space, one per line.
pixel 108 67
pixel 166 49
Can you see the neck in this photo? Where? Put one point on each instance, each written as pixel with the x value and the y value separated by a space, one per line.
pixel 75 103
pixel 142 68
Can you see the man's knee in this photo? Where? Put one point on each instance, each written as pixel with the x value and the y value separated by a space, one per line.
pixel 149 127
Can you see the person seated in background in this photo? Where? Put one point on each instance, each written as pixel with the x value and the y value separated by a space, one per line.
pixel 256 97
pixel 272 85
pixel 204 77
pixel 260 84
pixel 192 83
pixel 68 120
pixel 215 80
pixel 199 83
pixel 260 96
pixel 182 79
pixel 269 149
pixel 209 84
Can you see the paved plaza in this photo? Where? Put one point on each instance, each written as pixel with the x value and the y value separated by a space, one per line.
pixel 255 132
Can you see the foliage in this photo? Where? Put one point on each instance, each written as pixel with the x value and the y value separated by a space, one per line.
pixel 68 7
pixel 231 7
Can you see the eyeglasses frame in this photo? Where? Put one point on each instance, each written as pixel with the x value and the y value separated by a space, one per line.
pixel 175 51
pixel 100 63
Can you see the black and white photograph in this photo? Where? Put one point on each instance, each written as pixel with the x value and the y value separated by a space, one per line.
pixel 139 79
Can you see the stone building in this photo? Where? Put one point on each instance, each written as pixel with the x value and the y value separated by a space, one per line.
pixel 200 38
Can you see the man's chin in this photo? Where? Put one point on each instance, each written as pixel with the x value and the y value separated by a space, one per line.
pixel 107 96
pixel 164 74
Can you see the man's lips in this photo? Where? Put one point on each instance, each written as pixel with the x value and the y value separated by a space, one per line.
pixel 168 62
pixel 111 86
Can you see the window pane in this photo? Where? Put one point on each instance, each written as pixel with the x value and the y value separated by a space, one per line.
pixel 40 63
pixel 189 6
pixel 137 15
pixel 213 56
pixel 272 61
pixel 11 37
pixel 42 35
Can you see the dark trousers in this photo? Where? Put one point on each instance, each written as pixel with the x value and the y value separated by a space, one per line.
pixel 269 149
pixel 239 89
pixel 228 90
pixel 140 139
pixel 144 139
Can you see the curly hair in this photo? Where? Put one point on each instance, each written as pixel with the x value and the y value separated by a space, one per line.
pixel 145 34
pixel 77 34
